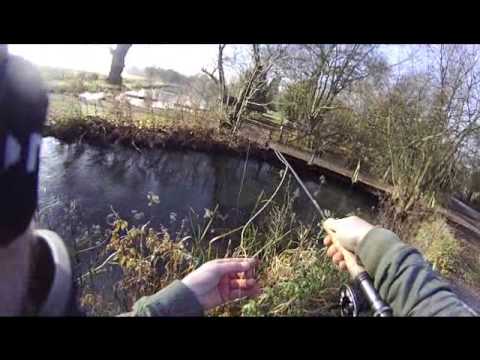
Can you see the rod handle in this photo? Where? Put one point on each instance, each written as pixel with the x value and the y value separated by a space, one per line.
pixel 353 267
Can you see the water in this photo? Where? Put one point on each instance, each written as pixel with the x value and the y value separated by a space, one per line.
pixel 80 185
pixel 156 98
pixel 99 179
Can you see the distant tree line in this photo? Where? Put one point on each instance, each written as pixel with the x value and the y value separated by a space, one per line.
pixel 416 125
pixel 418 128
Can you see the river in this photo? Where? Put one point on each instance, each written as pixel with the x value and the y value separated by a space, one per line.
pixel 80 185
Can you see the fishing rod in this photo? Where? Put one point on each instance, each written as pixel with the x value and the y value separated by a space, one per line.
pixel 353 299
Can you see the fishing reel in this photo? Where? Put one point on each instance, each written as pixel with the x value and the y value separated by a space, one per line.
pixel 352 301
pixel 362 299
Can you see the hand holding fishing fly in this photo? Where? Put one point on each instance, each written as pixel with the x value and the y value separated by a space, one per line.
pixel 220 281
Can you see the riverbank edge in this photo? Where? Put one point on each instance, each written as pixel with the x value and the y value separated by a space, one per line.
pixel 97 132
pixel 100 133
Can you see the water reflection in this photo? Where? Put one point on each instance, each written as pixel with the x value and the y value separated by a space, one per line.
pixel 99 179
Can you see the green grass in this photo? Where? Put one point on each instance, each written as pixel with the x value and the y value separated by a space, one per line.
pixel 298 282
pixel 65 81
pixel 66 111
pixel 276 117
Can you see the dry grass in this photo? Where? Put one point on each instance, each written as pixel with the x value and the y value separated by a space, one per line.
pixel 69 111
pixel 297 276
pixel 450 256
pixel 439 245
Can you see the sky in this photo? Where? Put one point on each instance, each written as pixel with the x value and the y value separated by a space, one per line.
pixel 184 58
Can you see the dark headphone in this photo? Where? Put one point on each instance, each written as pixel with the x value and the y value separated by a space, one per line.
pixel 23 110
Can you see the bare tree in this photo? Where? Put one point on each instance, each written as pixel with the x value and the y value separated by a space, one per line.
pixel 220 81
pixel 251 89
pixel 456 100
pixel 118 63
pixel 320 73
pixel 204 90
pixel 425 126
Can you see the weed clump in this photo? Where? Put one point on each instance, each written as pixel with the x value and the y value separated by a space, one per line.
pixel 298 282
pixel 436 241
pixel 448 255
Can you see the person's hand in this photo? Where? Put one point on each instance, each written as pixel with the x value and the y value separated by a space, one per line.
pixel 349 233
pixel 220 281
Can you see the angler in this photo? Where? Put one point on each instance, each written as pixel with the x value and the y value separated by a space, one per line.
pixel 402 277
pixel 35 269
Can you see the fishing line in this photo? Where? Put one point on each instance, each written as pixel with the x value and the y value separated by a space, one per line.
pixel 300 182
pixel 243 175
pixel 266 203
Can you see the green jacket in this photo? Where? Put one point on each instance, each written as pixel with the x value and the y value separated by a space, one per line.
pixel 174 300
pixel 405 280
pixel 401 275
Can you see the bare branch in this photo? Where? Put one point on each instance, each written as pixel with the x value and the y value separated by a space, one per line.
pixel 211 75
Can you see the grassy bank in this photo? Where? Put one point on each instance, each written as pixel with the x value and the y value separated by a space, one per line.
pixel 297 276
pixel 119 123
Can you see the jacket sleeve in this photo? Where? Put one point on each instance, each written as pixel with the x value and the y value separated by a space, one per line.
pixel 174 300
pixel 405 280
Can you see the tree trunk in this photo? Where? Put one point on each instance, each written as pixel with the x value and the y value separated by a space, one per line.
pixel 118 63
pixel 221 77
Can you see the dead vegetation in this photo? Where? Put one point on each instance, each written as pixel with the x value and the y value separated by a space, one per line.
pixel 298 277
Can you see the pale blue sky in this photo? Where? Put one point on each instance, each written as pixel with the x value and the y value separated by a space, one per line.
pixel 186 59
